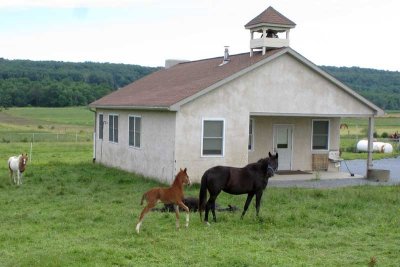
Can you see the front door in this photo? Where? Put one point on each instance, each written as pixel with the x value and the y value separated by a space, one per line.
pixel 283 145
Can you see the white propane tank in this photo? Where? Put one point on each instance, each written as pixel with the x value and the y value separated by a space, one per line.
pixel 362 146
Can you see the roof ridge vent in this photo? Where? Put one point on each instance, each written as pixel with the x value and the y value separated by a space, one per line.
pixel 226 56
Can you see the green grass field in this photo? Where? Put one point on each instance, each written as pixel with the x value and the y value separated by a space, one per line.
pixel 71 212
pixel 72 116
pixel 46 124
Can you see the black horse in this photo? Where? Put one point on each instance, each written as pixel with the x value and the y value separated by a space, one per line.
pixel 251 180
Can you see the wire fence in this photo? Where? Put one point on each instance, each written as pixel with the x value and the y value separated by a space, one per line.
pixel 45 137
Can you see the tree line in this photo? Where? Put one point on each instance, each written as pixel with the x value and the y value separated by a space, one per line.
pixel 378 86
pixel 61 84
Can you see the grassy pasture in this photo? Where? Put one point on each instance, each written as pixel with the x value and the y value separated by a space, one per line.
pixel 46 124
pixel 70 212
pixel 71 116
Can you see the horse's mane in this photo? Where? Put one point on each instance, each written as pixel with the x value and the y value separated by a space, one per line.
pixel 179 176
pixel 263 161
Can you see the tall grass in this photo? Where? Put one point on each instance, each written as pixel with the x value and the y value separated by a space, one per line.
pixel 70 212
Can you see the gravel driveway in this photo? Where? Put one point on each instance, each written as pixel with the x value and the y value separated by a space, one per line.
pixel 355 166
pixel 331 183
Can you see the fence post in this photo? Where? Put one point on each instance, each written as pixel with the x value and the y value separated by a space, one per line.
pixel 30 154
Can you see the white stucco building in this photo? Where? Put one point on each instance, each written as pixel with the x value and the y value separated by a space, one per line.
pixel 229 110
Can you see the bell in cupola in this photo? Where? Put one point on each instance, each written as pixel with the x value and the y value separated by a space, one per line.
pixel 269 30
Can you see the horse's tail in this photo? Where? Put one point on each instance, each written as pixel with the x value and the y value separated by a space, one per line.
pixel 203 194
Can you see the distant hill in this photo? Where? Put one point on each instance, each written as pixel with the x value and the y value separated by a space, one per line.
pixel 379 86
pixel 61 84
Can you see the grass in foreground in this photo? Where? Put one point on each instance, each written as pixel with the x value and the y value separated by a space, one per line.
pixel 83 214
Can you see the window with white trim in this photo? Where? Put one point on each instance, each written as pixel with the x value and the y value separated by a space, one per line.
pixel 134 131
pixel 251 134
pixel 101 126
pixel 213 137
pixel 320 134
pixel 113 128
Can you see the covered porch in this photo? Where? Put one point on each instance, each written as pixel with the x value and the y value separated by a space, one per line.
pixel 308 146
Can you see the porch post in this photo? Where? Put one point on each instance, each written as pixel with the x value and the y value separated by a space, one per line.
pixel 371 121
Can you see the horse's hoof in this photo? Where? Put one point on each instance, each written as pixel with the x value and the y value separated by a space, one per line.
pixel 138 228
pixel 207 223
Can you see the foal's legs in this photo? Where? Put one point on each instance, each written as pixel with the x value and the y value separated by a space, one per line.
pixel 19 178
pixel 176 207
pixel 11 176
pixel 146 209
pixel 246 205
pixel 183 206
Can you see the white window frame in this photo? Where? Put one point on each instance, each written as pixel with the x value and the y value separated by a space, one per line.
pixel 134 131
pixel 113 139
pixel 223 137
pixel 102 127
pixel 312 135
pixel 251 135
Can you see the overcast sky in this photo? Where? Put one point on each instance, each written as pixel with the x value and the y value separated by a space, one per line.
pixel 362 33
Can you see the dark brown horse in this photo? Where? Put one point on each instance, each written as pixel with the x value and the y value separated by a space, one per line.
pixel 170 195
pixel 251 180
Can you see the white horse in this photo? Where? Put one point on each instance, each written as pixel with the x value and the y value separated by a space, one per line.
pixel 17 165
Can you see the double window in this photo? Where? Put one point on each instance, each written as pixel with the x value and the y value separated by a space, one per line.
pixel 101 126
pixel 134 131
pixel 320 134
pixel 113 128
pixel 213 137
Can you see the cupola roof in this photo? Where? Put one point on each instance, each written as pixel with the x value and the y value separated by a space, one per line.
pixel 270 17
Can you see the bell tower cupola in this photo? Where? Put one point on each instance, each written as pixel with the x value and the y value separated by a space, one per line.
pixel 269 30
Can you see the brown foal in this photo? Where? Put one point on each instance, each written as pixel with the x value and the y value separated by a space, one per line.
pixel 170 195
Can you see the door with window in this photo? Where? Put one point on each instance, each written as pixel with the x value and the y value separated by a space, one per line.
pixel 283 144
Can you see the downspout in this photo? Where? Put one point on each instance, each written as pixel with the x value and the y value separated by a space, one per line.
pixel 94 134
pixel 371 122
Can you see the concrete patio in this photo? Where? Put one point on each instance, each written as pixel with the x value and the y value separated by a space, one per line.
pixel 323 180
pixel 313 175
